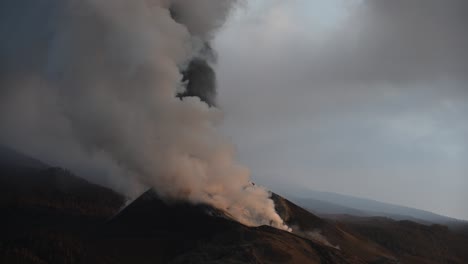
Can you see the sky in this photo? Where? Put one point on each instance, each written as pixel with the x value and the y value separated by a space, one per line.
pixel 366 98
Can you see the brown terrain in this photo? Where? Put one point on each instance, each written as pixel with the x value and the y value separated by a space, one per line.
pixel 411 242
pixel 51 216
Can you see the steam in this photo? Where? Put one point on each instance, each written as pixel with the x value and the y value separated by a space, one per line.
pixel 317 235
pixel 126 87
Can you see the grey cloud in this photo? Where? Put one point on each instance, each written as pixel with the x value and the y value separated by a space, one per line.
pixel 400 41
pixel 376 104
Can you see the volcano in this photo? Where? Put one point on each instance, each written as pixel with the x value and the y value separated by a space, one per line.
pixel 51 216
pixel 153 231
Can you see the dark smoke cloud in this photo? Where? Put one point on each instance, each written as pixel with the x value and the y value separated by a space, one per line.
pixel 199 76
pixel 201 81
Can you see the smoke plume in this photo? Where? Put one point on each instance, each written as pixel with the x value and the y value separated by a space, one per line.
pixel 127 88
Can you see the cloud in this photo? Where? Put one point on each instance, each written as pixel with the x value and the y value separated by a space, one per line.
pixel 401 41
pixel 363 107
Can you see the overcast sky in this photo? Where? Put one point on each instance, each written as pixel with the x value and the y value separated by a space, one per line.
pixel 367 98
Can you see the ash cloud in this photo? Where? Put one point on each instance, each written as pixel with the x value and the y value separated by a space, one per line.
pixel 93 85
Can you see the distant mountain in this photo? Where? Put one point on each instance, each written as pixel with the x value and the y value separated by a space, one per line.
pixel 48 215
pixel 328 203
pixel 326 208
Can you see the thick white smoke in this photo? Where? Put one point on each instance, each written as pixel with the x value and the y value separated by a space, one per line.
pixel 103 81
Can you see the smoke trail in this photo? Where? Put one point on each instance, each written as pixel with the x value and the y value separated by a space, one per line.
pixel 99 78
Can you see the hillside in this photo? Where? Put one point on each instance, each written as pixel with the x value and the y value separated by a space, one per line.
pixel 152 231
pixel 51 216
pixel 411 242
pixel 48 214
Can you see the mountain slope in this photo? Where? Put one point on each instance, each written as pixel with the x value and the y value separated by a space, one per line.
pixel 152 231
pixel 408 241
pixel 12 158
pixel 47 213
pixel 412 242
pixel 315 228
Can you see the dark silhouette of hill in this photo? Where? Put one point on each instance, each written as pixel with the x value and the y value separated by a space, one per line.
pixel 47 213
